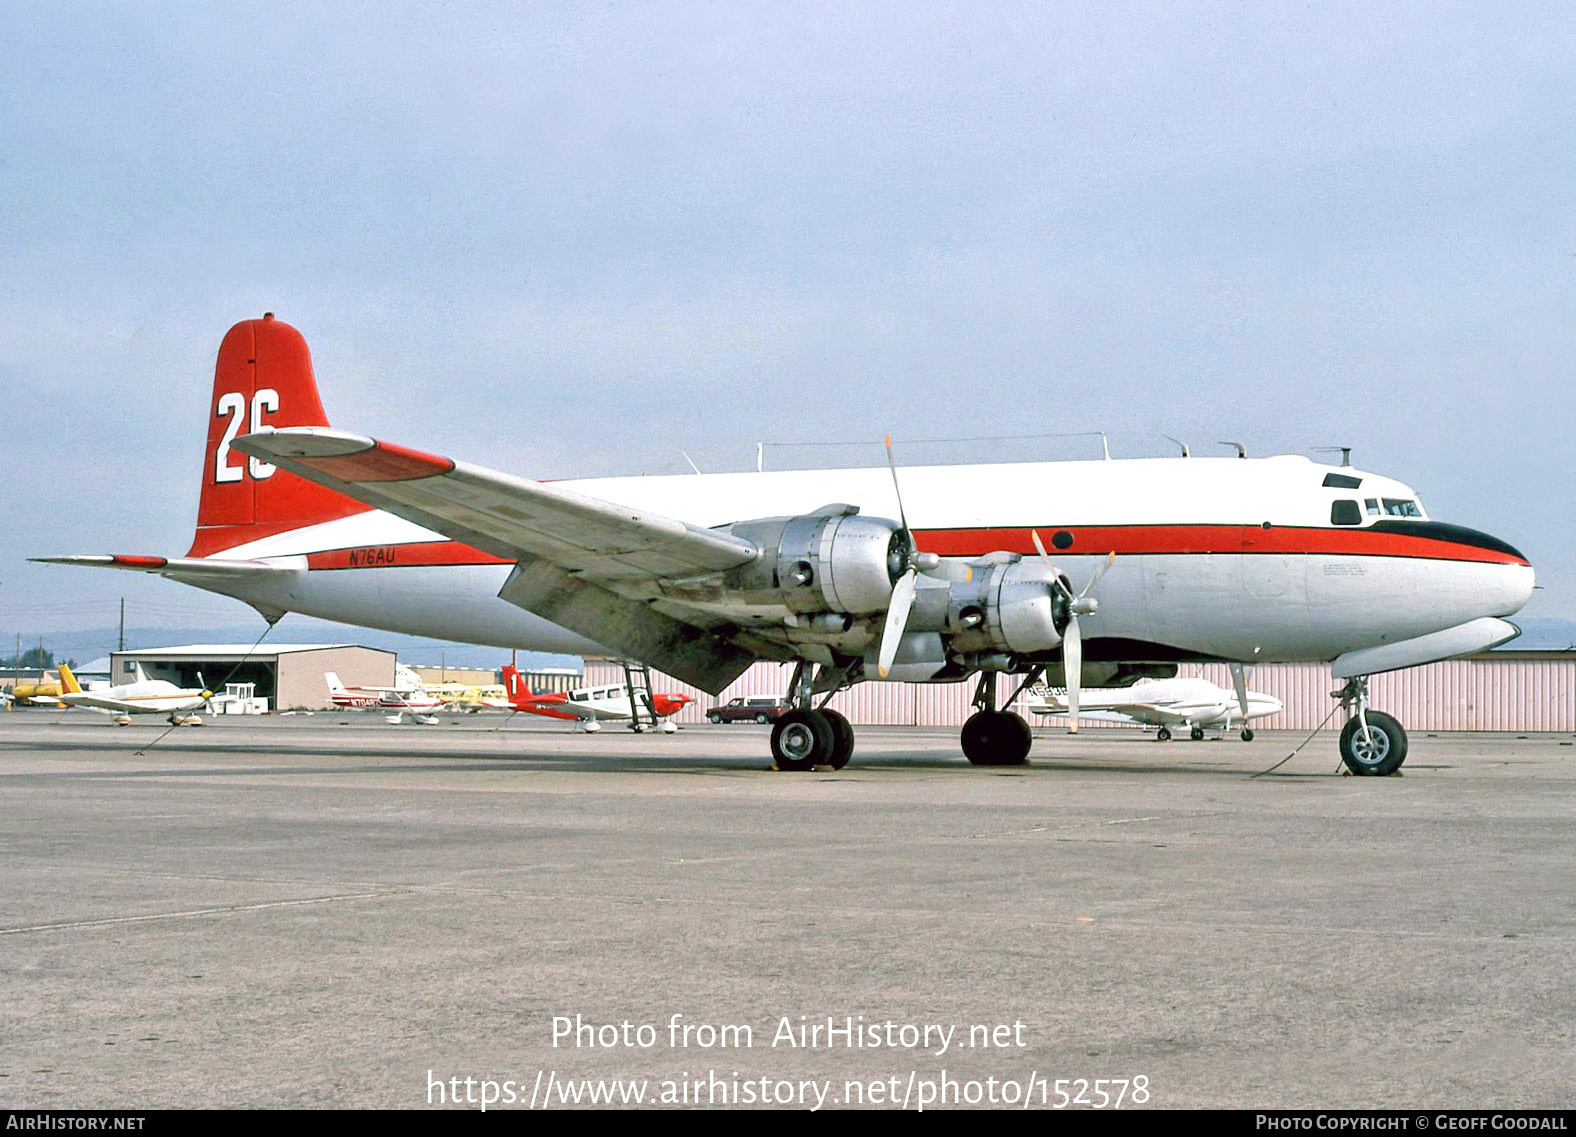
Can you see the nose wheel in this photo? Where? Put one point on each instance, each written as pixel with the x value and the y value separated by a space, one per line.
pixel 1375 751
pixel 1373 744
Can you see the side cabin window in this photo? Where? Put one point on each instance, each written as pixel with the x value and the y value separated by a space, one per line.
pixel 1345 513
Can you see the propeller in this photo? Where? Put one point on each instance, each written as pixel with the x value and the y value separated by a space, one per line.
pixel 1072 637
pixel 906 585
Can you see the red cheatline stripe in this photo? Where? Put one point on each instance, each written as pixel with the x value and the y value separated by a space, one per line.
pixel 384 462
pixel 139 562
pixel 1088 540
pixel 424 554
pixel 1130 540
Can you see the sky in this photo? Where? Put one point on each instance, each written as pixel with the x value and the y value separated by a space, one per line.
pixel 576 239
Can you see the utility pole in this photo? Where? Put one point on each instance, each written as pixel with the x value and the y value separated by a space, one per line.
pixel 122 646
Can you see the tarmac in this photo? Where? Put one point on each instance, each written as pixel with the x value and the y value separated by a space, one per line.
pixel 333 911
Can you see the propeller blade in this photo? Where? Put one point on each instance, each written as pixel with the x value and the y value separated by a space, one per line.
pixel 1039 546
pixel 1110 559
pixel 902 516
pixel 896 621
pixel 1072 665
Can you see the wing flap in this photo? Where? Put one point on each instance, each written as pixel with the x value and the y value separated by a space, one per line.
pixel 632 628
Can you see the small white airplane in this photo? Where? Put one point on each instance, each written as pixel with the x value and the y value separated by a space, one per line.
pixel 144 697
pixel 1146 564
pixel 1164 703
pixel 407 694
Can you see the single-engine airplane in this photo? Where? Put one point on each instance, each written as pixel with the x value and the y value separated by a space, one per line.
pixel 408 693
pixel 1190 704
pixel 1152 562
pixel 589 707
pixel 144 697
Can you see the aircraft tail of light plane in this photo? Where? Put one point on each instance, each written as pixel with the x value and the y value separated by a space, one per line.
pixel 144 697
pixel 1101 571
pixel 591 706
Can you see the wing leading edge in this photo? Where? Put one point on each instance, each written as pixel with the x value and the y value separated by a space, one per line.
pixel 576 555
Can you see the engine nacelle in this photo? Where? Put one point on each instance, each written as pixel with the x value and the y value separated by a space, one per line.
pixel 830 561
pixel 1014 609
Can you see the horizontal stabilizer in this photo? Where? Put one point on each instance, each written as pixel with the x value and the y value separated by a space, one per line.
pixel 167 566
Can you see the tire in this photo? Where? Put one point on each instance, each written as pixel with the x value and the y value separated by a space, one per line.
pixel 1383 756
pixel 996 738
pixel 1247 735
pixel 842 740
pixel 1162 735
pixel 762 720
pixel 714 719
pixel 802 740
pixel 1196 734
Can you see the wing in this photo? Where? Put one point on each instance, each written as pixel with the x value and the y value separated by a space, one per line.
pixel 1153 713
pixel 100 703
pixel 587 565
pixel 500 513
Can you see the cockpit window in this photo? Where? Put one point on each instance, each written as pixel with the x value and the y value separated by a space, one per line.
pixel 1341 482
pixel 1401 507
pixel 1371 505
pixel 1345 513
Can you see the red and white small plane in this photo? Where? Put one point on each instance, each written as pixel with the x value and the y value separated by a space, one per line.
pixel 1157 561
pixel 408 693
pixel 591 706
pixel 144 697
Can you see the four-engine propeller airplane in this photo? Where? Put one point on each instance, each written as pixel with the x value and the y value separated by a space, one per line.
pixel 1255 560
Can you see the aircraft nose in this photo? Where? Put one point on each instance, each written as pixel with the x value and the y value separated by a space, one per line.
pixel 1500 580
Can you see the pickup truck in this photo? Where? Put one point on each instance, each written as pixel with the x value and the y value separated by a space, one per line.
pixel 751 708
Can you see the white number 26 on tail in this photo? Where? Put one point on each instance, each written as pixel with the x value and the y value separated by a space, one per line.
pixel 233 407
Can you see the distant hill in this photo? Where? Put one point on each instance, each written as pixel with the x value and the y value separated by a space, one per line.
pixel 95 642
pixel 1542 633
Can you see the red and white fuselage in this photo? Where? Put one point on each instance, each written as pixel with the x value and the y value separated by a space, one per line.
pixel 1217 557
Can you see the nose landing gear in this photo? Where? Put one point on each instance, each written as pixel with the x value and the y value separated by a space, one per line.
pixel 1373 744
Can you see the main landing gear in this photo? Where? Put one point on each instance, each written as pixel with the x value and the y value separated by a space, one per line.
pixel 992 737
pixel 805 738
pixel 1373 744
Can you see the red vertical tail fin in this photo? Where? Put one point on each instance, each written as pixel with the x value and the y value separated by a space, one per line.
pixel 263 379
